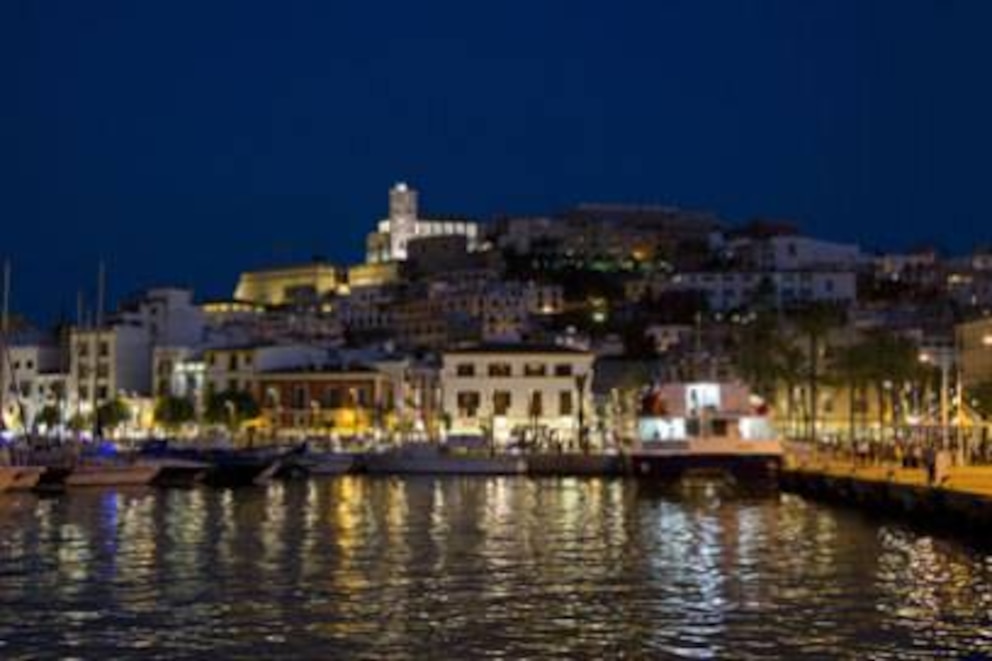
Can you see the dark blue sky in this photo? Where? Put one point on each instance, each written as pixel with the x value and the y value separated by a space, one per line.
pixel 186 140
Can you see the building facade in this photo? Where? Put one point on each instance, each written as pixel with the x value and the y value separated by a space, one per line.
pixel 325 400
pixel 516 392
pixel 730 290
pixel 974 346
pixel 303 284
pixel 32 379
pixel 109 363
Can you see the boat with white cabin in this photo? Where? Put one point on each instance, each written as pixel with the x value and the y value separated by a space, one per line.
pixel 705 429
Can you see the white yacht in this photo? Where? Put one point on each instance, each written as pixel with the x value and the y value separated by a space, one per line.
pixel 705 427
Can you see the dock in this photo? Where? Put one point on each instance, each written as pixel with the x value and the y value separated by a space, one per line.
pixel 961 502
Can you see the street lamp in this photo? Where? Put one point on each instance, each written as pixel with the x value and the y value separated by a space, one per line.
pixel 229 405
pixel 943 358
pixel 580 385
pixel 315 416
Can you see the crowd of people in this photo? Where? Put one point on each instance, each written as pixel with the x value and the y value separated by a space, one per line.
pixel 935 456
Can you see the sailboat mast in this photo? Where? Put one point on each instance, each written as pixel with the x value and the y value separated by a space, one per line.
pixel 6 299
pixel 101 286
pixel 4 326
pixel 101 283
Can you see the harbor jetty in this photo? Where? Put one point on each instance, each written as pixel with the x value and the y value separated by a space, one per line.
pixel 959 500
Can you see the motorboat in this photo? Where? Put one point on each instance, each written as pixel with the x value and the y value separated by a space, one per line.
pixel 436 459
pixel 306 461
pixel 703 430
pixel 225 467
pixel 15 474
pixel 111 473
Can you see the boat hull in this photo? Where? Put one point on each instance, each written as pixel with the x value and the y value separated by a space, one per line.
pixel 747 470
pixel 324 465
pixel 25 478
pixel 314 464
pixel 179 472
pixel 223 467
pixel 7 474
pixel 398 464
pixel 111 476
pixel 579 465
pixel 240 473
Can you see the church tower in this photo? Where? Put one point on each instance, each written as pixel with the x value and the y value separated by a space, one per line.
pixel 402 219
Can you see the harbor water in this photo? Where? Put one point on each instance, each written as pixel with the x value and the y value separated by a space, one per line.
pixel 363 567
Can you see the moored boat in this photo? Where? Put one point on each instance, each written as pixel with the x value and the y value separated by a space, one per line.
pixel 315 464
pixel 241 468
pixel 557 464
pixel 174 472
pixel 111 473
pixel 330 463
pixel 54 468
pixel 706 430
pixel 7 474
pixel 309 461
pixel 23 478
pixel 431 459
pixel 16 474
pixel 225 467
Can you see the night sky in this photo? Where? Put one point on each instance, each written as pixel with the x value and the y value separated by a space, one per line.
pixel 185 141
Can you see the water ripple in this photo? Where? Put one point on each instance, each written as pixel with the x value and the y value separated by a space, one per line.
pixel 498 568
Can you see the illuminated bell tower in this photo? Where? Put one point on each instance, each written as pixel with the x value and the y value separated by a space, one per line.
pixel 402 219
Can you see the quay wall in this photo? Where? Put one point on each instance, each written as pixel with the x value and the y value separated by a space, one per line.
pixel 960 512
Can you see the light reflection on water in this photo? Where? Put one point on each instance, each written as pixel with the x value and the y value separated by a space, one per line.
pixel 475 568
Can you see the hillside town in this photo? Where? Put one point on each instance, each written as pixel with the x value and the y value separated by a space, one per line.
pixel 537 331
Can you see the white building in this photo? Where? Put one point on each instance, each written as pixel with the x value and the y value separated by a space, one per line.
pixel 32 380
pixel 169 314
pixel 109 362
pixel 729 290
pixel 792 253
pixel 389 242
pixel 511 390
pixel 236 368
pixel 117 359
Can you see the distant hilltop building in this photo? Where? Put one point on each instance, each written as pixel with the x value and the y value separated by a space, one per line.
pixel 615 231
pixel 390 241
pixel 297 284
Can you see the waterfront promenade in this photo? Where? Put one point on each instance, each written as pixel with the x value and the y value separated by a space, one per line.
pixel 967 479
pixel 959 500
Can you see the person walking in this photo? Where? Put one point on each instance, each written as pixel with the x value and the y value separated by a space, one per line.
pixel 930 463
pixel 941 467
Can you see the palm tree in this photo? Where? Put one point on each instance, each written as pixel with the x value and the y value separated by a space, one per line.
pixel 757 356
pixel 851 370
pixel 814 323
pixel 790 369
pixel 888 362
